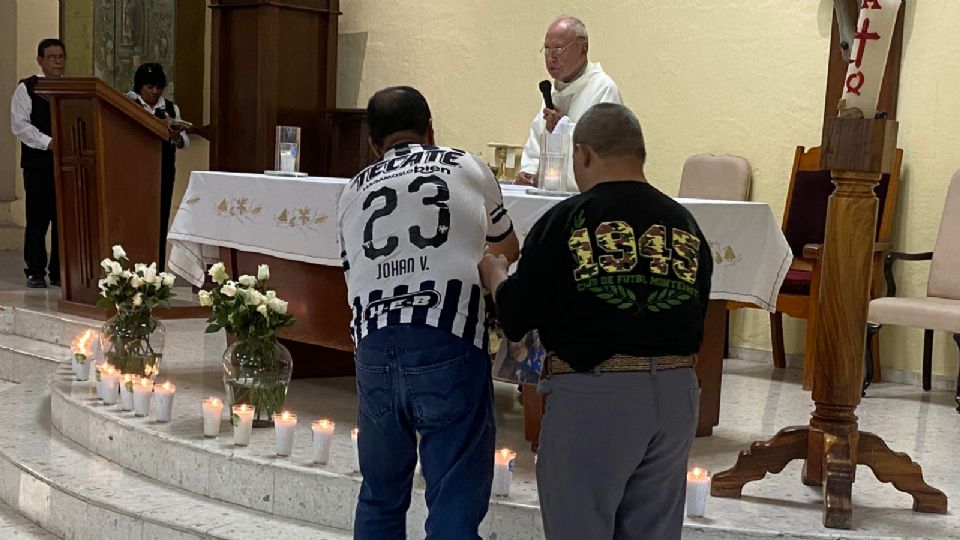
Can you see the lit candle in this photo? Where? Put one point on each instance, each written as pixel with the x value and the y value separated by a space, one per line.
pixel 126 391
pixel 110 383
pixel 163 401
pixel 242 420
pixel 142 393
pixel 698 488
pixel 503 471
pixel 99 377
pixel 212 409
pixel 322 437
pixel 355 435
pixel 551 179
pixel 82 347
pixel 284 426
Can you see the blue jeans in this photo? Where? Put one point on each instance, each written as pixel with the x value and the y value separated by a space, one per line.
pixel 418 379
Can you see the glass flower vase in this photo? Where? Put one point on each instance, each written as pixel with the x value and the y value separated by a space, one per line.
pixel 257 371
pixel 132 341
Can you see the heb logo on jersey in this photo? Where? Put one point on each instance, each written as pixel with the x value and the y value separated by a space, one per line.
pixel 399 163
pixel 423 299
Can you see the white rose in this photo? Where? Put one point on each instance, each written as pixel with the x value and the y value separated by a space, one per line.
pixel 118 252
pixel 136 282
pixel 218 273
pixel 150 275
pixel 263 272
pixel 206 299
pixel 253 297
pixel 137 299
pixel 112 280
pixel 270 295
pixel 115 268
pixel 102 284
pixel 106 265
pixel 262 309
pixel 167 279
pixel 278 305
pixel 139 267
pixel 228 290
pixel 247 281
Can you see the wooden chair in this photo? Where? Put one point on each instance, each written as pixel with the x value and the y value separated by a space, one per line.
pixel 707 176
pixel 804 220
pixel 940 309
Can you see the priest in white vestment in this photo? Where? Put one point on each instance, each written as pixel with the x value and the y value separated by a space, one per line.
pixel 578 84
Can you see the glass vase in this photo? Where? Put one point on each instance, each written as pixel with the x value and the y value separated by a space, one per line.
pixel 257 371
pixel 132 341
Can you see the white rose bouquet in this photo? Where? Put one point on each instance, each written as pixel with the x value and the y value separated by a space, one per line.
pixel 132 340
pixel 257 368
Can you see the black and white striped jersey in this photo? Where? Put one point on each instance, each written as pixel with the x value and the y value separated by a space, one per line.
pixel 412 230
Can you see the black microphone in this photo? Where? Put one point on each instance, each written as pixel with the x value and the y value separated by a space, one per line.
pixel 545 88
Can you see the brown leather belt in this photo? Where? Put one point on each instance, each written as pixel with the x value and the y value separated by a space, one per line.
pixel 624 363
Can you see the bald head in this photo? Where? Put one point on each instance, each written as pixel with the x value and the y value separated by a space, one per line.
pixel 569 24
pixel 611 130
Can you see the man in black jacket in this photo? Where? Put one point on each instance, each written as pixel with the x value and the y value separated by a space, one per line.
pixel 30 122
pixel 617 281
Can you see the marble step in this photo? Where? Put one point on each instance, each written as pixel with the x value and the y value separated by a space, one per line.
pixel 254 477
pixel 15 525
pixel 75 494
pixel 186 345
pixel 23 358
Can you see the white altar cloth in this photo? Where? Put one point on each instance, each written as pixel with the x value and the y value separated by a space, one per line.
pixel 296 219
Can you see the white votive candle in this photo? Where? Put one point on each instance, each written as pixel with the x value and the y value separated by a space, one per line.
pixel 322 439
pixel 503 471
pixel 284 426
pixel 212 409
pixel 82 349
pixel 142 394
pixel 551 180
pixel 698 489
pixel 126 391
pixel 163 401
pixel 110 382
pixel 242 420
pixel 354 436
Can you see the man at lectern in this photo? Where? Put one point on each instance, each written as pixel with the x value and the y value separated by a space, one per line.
pixel 617 280
pixel 578 84
pixel 413 227
pixel 30 122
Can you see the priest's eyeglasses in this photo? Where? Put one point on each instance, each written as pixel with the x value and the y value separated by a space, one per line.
pixel 557 51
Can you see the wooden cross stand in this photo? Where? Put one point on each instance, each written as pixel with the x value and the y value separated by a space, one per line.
pixel 856 151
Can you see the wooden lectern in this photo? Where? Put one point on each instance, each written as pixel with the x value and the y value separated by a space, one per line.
pixel 107 164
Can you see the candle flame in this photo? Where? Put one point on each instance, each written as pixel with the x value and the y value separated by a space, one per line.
pixel 145 381
pixel 505 453
pixel 109 370
pixel 354 432
pixel 166 385
pixel 213 402
pixel 323 424
pixel 81 344
pixel 698 473
pixel 285 416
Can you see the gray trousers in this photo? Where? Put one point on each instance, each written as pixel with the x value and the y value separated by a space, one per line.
pixel 613 454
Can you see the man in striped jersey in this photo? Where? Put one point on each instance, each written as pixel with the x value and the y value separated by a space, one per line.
pixel 413 227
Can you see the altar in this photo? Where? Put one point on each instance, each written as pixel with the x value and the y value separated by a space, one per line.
pixel 291 224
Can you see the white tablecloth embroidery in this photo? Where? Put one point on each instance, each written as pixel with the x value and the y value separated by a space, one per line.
pixel 296 219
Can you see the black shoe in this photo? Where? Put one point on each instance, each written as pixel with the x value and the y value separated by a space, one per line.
pixel 35 282
pixel 55 282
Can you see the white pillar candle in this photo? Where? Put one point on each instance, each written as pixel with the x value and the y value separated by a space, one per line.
pixel 284 427
pixel 503 471
pixel 355 435
pixel 242 420
pixel 163 401
pixel 110 383
pixel 551 179
pixel 698 489
pixel 82 347
pixel 212 409
pixel 126 391
pixel 322 439
pixel 142 394
pixel 99 377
